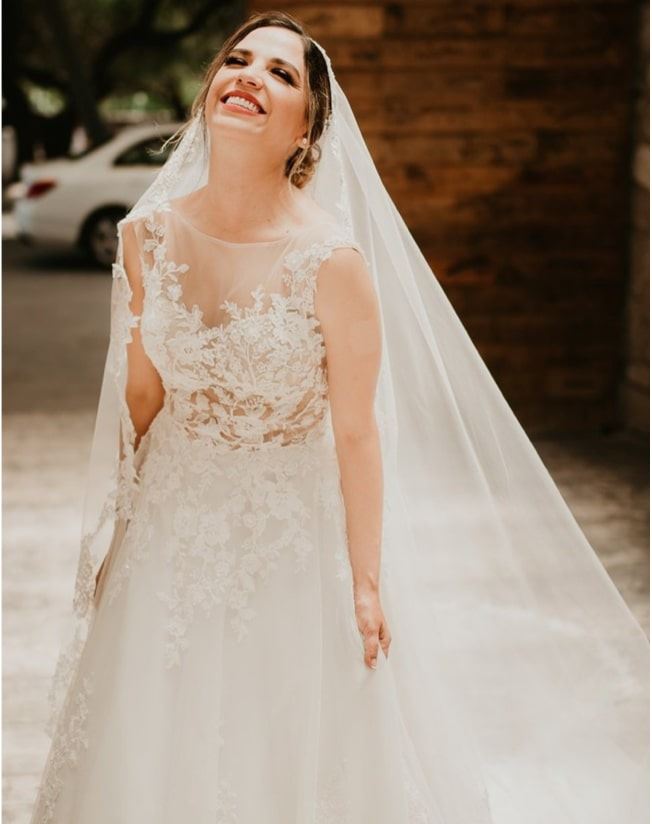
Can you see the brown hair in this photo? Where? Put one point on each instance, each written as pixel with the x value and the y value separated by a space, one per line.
pixel 301 164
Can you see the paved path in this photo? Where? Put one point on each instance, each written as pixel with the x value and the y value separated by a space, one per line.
pixel 55 327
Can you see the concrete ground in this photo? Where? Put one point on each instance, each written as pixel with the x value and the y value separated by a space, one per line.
pixel 55 312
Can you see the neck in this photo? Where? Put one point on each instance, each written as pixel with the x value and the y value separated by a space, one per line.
pixel 247 190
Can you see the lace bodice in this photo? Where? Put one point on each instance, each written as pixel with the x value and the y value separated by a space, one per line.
pixel 232 331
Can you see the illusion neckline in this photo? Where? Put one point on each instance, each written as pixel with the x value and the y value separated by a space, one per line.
pixel 285 239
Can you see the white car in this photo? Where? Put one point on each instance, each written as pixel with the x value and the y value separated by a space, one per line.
pixel 79 201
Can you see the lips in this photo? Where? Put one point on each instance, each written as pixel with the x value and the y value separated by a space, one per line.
pixel 245 95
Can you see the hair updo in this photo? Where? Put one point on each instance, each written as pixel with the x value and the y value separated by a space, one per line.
pixel 301 164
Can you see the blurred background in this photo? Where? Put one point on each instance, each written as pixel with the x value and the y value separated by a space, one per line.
pixel 514 139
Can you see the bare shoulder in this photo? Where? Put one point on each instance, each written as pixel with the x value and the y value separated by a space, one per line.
pixel 184 203
pixel 345 265
pixel 347 307
pixel 344 286
pixel 313 214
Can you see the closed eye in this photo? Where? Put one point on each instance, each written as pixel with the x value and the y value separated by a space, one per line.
pixel 281 72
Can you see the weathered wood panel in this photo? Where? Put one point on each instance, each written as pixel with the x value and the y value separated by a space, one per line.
pixel 503 132
pixel 635 389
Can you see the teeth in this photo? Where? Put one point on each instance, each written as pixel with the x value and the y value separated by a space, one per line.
pixel 240 101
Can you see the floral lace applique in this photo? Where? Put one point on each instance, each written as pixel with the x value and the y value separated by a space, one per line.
pixel 257 381
pixel 209 567
pixel 260 376
pixel 70 739
pixel 226 800
pixel 256 387
pixel 331 805
pixel 417 808
pixel 137 540
pixel 226 803
pixel 331 500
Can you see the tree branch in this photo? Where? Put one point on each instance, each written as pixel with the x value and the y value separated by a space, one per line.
pixel 142 35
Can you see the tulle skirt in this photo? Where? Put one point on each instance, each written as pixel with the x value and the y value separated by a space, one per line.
pixel 223 678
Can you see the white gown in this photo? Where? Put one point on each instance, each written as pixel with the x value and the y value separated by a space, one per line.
pixel 222 680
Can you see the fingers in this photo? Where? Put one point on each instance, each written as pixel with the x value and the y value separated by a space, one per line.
pixel 385 638
pixel 374 639
pixel 371 651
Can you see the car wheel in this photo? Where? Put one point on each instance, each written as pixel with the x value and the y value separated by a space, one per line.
pixel 101 236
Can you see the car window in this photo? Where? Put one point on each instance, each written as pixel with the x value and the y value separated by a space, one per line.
pixel 145 153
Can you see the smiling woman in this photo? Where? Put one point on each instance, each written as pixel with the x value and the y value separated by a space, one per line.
pixel 296 91
pixel 287 391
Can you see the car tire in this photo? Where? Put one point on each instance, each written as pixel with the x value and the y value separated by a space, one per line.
pixel 100 236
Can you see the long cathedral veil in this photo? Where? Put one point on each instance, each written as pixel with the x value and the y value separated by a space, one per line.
pixel 497 603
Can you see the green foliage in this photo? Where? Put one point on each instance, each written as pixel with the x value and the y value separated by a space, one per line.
pixel 44 101
pixel 140 62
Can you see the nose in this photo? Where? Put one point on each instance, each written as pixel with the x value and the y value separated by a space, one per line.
pixel 249 80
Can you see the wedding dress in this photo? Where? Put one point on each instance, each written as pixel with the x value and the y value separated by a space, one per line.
pixel 219 675
pixel 223 679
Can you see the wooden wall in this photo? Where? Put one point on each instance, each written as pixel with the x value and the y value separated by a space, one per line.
pixel 636 380
pixel 503 131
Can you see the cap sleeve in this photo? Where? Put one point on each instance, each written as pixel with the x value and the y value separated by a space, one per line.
pixel 302 265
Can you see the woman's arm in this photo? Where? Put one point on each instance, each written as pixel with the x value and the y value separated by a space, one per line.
pixel 349 315
pixel 144 390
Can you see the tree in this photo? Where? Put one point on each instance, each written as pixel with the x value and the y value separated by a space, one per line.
pixel 83 53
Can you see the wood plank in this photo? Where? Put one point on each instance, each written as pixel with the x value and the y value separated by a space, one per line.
pixel 332 20
pixel 394 114
pixel 545 150
pixel 470 20
pixel 417 178
pixel 438 86
pixel 519 211
pixel 481 53
pixel 575 269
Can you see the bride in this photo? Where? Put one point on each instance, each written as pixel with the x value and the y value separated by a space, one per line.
pixel 300 463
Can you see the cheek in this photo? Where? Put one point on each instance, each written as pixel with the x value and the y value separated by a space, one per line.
pixel 212 95
pixel 294 111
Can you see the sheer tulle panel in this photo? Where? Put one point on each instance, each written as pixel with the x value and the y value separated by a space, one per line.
pixel 219 272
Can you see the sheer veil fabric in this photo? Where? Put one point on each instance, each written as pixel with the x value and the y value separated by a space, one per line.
pixel 521 673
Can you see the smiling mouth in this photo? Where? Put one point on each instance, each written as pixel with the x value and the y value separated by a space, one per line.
pixel 234 101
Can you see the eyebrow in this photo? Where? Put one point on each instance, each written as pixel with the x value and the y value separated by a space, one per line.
pixel 277 60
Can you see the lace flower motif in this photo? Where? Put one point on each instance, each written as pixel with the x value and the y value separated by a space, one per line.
pixel 70 741
pixel 253 384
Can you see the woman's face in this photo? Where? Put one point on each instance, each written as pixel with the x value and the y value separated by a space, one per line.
pixel 268 66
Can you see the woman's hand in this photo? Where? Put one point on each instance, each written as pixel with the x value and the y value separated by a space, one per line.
pixel 371 624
